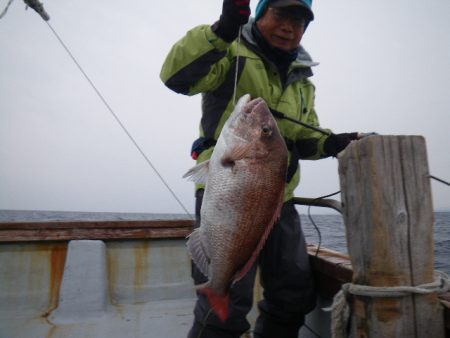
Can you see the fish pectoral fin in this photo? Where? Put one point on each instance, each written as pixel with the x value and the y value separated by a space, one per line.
pixel 198 252
pixel 235 153
pixel 199 173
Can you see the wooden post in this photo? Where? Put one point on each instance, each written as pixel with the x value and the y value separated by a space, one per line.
pixel 388 214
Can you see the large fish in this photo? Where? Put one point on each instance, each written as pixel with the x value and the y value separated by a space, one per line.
pixel 244 190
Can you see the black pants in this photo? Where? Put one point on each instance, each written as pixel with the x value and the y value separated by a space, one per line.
pixel 285 276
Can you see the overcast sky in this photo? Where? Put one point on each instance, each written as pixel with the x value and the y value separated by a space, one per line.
pixel 384 67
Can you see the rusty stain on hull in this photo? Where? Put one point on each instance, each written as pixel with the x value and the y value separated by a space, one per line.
pixel 141 266
pixel 129 270
pixel 52 331
pixel 58 254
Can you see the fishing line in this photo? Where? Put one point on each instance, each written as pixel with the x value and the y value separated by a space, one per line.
pixel 6 8
pixel 312 331
pixel 204 322
pixel 118 120
pixel 237 65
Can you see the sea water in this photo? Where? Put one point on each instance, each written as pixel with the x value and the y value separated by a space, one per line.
pixel 331 227
pixel 332 233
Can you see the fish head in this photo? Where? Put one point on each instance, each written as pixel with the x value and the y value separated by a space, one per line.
pixel 253 123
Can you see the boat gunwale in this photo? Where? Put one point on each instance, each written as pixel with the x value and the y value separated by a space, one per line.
pixel 20 231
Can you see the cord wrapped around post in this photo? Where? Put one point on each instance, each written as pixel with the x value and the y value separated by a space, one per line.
pixel 340 310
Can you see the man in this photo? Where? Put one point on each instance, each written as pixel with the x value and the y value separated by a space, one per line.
pixel 269 63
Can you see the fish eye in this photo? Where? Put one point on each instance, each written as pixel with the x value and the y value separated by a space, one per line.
pixel 265 131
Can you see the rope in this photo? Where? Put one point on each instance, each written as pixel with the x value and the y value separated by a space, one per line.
pixel 340 315
pixel 6 8
pixel 340 310
pixel 439 285
pixel 118 120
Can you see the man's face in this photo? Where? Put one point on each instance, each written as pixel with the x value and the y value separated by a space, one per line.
pixel 282 27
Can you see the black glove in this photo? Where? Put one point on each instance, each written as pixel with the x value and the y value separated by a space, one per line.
pixel 335 143
pixel 234 14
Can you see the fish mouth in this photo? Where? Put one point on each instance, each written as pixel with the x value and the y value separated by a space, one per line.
pixel 258 108
pixel 246 107
pixel 252 105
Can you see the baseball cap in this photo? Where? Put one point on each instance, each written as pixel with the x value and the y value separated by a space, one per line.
pixel 305 4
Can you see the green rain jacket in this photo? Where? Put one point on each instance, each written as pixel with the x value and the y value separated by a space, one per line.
pixel 201 62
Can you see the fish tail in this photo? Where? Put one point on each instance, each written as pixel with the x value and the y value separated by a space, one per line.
pixel 219 303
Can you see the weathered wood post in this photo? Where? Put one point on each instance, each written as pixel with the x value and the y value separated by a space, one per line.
pixel 388 214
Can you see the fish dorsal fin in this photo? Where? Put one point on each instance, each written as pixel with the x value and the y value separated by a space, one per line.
pixel 199 173
pixel 198 251
pixel 276 216
pixel 235 153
